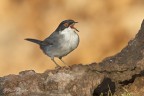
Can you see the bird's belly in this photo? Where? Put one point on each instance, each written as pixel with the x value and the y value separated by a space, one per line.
pixel 69 44
pixel 62 50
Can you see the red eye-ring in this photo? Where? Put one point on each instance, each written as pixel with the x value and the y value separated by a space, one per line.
pixel 66 24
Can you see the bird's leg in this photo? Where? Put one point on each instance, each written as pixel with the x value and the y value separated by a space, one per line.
pixel 63 61
pixel 58 66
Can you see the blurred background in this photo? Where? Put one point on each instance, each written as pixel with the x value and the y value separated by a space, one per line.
pixel 105 28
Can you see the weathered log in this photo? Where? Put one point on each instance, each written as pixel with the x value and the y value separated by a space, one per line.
pixel 115 74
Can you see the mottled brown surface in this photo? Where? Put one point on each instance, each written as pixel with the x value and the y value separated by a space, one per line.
pixel 77 81
pixel 105 28
pixel 120 73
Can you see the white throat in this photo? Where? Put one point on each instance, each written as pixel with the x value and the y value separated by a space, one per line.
pixel 66 30
pixel 68 33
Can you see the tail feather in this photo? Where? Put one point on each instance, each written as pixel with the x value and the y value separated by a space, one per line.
pixel 34 40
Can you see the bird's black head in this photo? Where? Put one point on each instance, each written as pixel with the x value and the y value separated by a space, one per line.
pixel 65 24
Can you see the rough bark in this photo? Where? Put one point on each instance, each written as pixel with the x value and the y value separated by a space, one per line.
pixel 116 75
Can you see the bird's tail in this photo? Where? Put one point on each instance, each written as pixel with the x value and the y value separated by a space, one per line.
pixel 34 40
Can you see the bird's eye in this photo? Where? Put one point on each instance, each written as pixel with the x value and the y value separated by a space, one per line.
pixel 66 24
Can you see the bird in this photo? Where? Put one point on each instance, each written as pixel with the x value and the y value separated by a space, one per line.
pixel 61 42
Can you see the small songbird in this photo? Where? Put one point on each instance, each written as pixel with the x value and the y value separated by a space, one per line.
pixel 61 42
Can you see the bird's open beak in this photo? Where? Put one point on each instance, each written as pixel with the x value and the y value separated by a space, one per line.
pixel 72 26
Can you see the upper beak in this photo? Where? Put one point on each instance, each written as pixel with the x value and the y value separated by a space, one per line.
pixel 74 27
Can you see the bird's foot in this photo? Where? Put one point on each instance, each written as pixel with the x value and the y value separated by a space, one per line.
pixel 67 67
pixel 57 67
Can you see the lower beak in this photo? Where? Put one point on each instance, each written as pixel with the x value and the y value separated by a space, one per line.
pixel 75 28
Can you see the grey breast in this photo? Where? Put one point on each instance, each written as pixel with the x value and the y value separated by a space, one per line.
pixel 51 45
